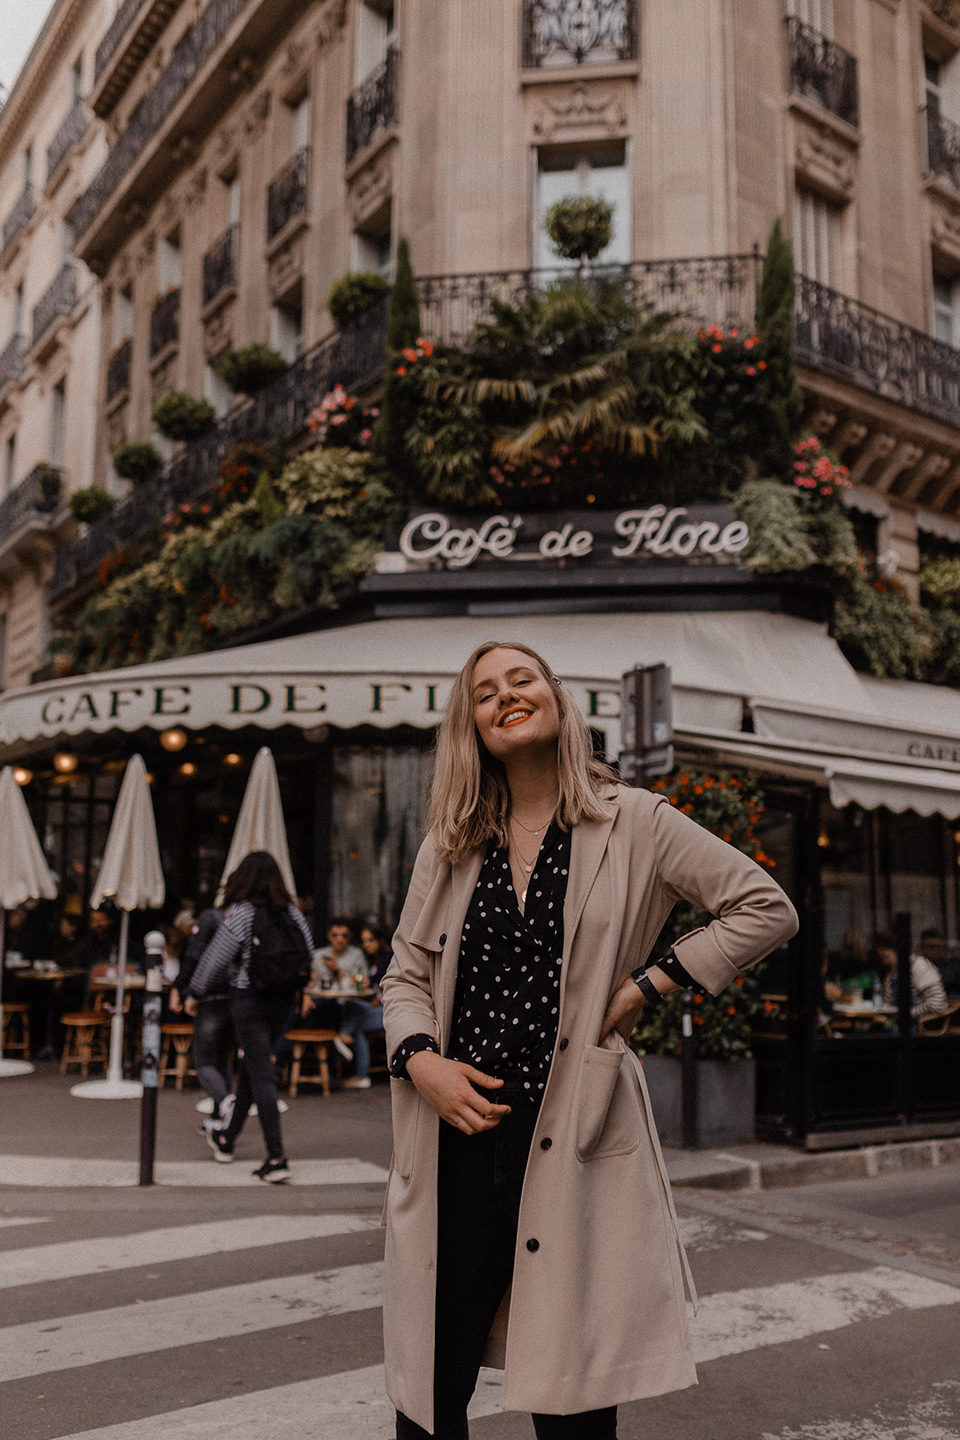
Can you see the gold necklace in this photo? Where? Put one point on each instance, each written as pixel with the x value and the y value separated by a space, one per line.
pixel 524 863
pixel 515 821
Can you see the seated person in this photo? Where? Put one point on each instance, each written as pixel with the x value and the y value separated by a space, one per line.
pixel 934 947
pixel 928 996
pixel 338 962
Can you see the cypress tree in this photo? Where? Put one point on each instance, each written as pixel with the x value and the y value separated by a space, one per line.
pixel 403 329
pixel 775 305
pixel 403 313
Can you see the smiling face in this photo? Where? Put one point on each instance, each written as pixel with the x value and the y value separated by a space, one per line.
pixel 514 705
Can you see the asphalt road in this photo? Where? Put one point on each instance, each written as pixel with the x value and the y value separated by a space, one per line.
pixel 195 1311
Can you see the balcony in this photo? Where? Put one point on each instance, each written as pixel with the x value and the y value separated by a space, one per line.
pixel 373 106
pixel 165 323
pixel 58 299
pixel 135 28
pixel 70 132
pixel 38 494
pixel 119 26
pixel 118 370
pixel 823 72
pixel 943 147
pixel 11 360
pixel 220 264
pixel 578 32
pixel 18 217
pixel 287 194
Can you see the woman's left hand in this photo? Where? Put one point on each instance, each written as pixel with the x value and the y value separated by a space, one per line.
pixel 623 1011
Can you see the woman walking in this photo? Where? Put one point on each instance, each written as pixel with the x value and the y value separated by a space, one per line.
pixel 527 1180
pixel 212 1024
pixel 259 913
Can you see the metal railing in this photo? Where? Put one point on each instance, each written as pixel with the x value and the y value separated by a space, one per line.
pixel 70 132
pixel 38 494
pixel 220 264
pixel 190 53
pixel 18 216
pixel 118 370
pixel 58 299
pixel 823 71
pixel 11 359
pixel 579 32
pixel 287 193
pixel 875 352
pixel 373 105
pixel 943 146
pixel 118 28
pixel 165 322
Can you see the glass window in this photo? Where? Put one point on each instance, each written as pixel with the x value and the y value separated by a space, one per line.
pixel 945 309
pixel 598 171
pixel 818 14
pixel 818 238
pixel 122 316
pixel 286 325
pixel 216 390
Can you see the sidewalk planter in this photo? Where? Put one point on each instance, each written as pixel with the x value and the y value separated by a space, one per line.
pixel 726 1091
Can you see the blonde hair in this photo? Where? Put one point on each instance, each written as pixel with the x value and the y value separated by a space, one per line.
pixel 470 797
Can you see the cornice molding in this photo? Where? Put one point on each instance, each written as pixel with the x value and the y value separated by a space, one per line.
pixel 37 70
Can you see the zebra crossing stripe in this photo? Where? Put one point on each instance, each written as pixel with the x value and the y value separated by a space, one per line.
pixel 6 1220
pixel 55 1172
pixel 183 1242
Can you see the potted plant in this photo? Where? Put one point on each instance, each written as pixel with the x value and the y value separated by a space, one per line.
pixel 179 416
pixel 354 293
pixel 88 504
pixel 137 460
pixel 250 369
pixel 580 226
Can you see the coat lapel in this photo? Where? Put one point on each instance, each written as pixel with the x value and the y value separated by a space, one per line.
pixel 588 845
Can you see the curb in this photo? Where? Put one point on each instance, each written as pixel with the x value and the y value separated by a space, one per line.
pixel 721 1170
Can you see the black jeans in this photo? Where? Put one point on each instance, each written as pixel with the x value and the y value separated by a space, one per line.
pixel 479 1181
pixel 212 1043
pixel 259 1022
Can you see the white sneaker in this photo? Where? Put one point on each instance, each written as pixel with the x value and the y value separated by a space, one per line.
pixel 342 1048
pixel 356 1082
pixel 226 1109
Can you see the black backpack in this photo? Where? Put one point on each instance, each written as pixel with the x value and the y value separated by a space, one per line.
pixel 280 959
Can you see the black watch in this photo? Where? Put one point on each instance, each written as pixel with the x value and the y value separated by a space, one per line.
pixel 646 987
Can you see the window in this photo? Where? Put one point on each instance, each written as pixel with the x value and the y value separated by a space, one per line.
pixel 9 463
pixel 599 171
pixel 945 309
pixel 122 317
pixel 375 35
pixel 168 263
pixel 372 250
pixel 286 329
pixel 232 187
pixel 216 391
pixel 818 14
pixel 58 410
pixel 817 238
pixel 300 134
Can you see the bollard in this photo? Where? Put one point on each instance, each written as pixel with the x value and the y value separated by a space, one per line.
pixel 688 1071
pixel 150 1066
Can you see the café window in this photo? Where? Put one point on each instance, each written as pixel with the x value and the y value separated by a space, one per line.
pixel 599 171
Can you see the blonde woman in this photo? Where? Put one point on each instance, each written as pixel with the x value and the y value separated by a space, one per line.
pixel 527 1183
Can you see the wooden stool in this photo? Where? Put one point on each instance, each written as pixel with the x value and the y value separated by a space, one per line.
pixel 85 1040
pixel 316 1042
pixel 178 1038
pixel 16 1016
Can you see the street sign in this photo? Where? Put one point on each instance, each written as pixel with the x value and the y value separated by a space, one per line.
pixel 647 711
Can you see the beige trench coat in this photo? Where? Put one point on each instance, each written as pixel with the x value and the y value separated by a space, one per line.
pixel 595 1315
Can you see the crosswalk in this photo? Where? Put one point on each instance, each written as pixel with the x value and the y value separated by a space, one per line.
pixel 62 1340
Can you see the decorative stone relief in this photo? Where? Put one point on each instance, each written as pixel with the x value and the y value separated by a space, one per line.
pixel 946 10
pixel 822 421
pixel 878 447
pixel 580 108
pixel 255 120
pixel 294 55
pixel 134 215
pixel 170 212
pixel 196 187
pixel 218 331
pixel 185 151
pixel 332 20
pixel 371 186
pixel 245 73
pixel 145 253
pixel 904 457
pixel 285 267
pixel 945 230
pixel 226 140
pixel 850 434
pixel 824 161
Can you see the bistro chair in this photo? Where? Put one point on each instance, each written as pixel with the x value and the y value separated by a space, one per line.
pixel 85 1042
pixel 16 1028
pixel 942 1023
pixel 314 1043
pixel 175 1046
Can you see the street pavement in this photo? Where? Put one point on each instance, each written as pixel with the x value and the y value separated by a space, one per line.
pixel 243 1312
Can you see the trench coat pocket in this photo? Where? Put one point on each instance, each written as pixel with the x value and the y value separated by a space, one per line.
pixel 608 1113
pixel 405 1100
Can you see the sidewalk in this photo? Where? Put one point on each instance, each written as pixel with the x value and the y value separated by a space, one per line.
pixel 775 1167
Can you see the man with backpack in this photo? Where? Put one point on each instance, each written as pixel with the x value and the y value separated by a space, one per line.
pixel 264 949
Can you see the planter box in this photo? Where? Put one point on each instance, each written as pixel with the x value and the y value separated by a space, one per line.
pixel 727 1099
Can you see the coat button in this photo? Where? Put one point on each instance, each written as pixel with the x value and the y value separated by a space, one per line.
pixel 564 1044
pixel 443 939
pixel 545 1144
pixel 533 1246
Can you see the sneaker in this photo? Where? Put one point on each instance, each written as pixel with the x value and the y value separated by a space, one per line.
pixel 210 1124
pixel 357 1082
pixel 273 1171
pixel 343 1048
pixel 222 1147
pixel 226 1109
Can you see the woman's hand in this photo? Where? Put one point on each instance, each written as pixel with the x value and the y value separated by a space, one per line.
pixel 623 1010
pixel 448 1087
pixel 190 1004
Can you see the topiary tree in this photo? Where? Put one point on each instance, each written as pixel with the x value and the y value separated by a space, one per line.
pixel 354 293
pixel 250 369
pixel 137 460
pixel 580 226
pixel 89 504
pixel 403 331
pixel 179 416
pixel 775 306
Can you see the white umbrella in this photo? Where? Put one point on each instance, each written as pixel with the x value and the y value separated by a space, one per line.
pixel 131 875
pixel 24 875
pixel 260 822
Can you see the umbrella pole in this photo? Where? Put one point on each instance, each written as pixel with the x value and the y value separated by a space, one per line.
pixel 115 1066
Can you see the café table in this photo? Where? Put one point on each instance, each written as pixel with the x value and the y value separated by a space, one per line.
pixel 52 975
pixel 863 1014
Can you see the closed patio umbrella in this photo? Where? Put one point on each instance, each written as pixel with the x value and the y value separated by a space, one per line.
pixel 260 822
pixel 24 875
pixel 131 876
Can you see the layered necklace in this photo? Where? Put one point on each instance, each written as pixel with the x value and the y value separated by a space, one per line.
pixel 526 864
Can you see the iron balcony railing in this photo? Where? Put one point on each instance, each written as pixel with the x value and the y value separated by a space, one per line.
pixel 58 299
pixel 165 322
pixel 823 72
pixel 220 264
pixel 578 32
pixel 875 352
pixel 943 146
pixel 196 46
pixel 119 26
pixel 70 132
pixel 373 105
pixel 11 359
pixel 38 494
pixel 18 216
pixel 118 370
pixel 287 193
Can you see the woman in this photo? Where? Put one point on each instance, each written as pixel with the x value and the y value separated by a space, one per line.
pixel 259 1018
pixel 212 1026
pixel 527 1179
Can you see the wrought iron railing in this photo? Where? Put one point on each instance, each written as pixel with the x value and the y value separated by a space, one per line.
pixel 823 71
pixel 165 322
pixel 118 370
pixel 220 264
pixel 18 216
pixel 11 359
pixel 579 32
pixel 197 44
pixel 287 193
pixel 875 352
pixel 69 133
pixel 943 147
pixel 58 299
pixel 373 105
pixel 38 494
pixel 118 28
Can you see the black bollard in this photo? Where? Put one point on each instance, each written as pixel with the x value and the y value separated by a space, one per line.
pixel 688 1063
pixel 149 1072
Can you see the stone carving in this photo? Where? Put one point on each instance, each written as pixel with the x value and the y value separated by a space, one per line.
pixel 371 187
pixel 196 187
pixel 185 150
pixel 945 229
pixel 904 457
pixel 824 161
pixel 878 447
pixel 582 108
pixel 255 121
pixel 245 73
pixel 145 253
pixel 332 20
pixel 285 267
pixel 218 331
pixel 294 55
pixel 226 140
pixel 946 10
pixel 850 434
pixel 822 421
pixel 169 212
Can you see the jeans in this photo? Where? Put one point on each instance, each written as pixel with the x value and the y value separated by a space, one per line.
pixel 212 1043
pixel 359 1019
pixel 259 1022
pixel 479 1181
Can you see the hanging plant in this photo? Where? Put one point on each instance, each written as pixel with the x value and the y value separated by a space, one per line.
pixel 179 416
pixel 90 503
pixel 137 460
pixel 580 226
pixel 250 369
pixel 353 294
